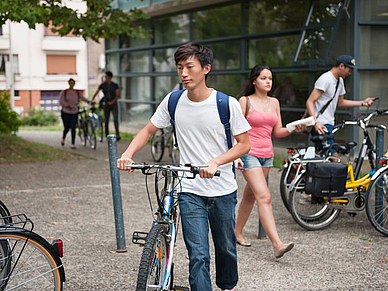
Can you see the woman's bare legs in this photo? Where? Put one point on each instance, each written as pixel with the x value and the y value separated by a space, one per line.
pixel 244 211
pixel 257 187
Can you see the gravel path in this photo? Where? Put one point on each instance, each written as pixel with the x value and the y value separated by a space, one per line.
pixel 72 200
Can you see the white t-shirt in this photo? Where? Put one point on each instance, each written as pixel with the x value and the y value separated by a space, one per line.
pixel 201 137
pixel 327 83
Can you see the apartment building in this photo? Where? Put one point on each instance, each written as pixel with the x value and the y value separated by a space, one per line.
pixel 43 62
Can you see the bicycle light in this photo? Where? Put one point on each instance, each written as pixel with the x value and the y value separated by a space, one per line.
pixel 382 162
pixel 58 246
pixel 290 152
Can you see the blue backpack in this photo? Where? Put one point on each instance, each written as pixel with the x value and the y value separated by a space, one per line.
pixel 223 111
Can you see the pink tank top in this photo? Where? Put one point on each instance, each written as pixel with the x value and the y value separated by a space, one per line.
pixel 262 124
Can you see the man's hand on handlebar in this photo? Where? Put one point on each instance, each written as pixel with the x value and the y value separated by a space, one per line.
pixel 122 162
pixel 209 171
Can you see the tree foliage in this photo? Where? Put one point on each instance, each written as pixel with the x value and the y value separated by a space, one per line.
pixel 101 20
pixel 9 120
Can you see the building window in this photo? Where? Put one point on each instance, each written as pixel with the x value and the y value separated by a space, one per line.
pixel 15 63
pixel 61 65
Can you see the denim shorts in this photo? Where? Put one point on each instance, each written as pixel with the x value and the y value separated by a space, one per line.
pixel 256 162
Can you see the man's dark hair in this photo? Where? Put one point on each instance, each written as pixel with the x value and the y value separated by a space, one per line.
pixel 109 74
pixel 203 54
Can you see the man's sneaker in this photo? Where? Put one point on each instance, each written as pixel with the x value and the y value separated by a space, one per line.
pixel 304 199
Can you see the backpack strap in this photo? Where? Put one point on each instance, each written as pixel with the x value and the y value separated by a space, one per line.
pixel 224 113
pixel 172 103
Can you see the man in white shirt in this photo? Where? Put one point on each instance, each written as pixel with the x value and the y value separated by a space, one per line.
pixel 331 85
pixel 201 137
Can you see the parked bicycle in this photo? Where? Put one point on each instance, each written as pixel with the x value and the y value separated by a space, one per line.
pixel 320 191
pixel 156 264
pixel 100 120
pixel 86 126
pixel 27 260
pixel 297 154
pixel 162 139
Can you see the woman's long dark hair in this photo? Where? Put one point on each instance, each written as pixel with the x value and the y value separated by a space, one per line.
pixel 249 88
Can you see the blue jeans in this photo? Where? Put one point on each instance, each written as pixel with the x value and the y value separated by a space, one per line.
pixel 196 213
pixel 318 145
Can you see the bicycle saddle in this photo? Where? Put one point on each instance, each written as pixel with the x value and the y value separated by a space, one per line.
pixel 320 138
pixel 344 149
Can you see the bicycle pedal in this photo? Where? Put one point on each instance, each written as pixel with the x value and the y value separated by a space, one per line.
pixel 139 237
pixel 180 288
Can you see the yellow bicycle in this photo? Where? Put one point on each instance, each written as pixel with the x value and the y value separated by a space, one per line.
pixel 316 210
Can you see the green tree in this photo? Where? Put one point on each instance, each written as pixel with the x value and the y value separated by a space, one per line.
pixel 9 120
pixel 101 20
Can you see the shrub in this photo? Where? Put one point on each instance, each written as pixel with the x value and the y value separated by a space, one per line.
pixel 9 120
pixel 40 117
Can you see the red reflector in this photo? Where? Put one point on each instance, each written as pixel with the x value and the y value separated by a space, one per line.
pixel 290 152
pixel 382 161
pixel 285 162
pixel 60 246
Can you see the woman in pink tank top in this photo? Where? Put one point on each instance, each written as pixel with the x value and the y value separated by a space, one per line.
pixel 263 114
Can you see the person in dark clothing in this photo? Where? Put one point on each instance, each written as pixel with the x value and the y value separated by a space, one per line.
pixel 111 95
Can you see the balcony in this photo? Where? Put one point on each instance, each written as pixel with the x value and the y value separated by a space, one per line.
pixel 69 44
pixel 4 42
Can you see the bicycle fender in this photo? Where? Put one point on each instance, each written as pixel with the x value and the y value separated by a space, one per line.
pixel 378 172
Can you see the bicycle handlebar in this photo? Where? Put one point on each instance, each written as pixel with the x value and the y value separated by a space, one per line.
pixel 194 169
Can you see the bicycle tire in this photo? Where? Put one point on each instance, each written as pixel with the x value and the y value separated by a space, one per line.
pixel 153 260
pixel 4 212
pixel 284 191
pixel 91 134
pixel 311 213
pixel 157 145
pixel 37 267
pixel 100 129
pixel 377 203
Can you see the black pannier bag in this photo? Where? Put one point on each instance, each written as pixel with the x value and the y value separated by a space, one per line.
pixel 326 179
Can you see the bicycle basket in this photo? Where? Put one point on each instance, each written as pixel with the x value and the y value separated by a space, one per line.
pixel 326 179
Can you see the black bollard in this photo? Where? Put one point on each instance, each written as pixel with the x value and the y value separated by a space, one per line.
pixel 116 192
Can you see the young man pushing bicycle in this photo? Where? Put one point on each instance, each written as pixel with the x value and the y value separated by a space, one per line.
pixel 202 141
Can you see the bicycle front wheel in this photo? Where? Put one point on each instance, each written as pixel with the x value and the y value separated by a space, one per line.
pixel 29 263
pixel 377 203
pixel 310 212
pixel 91 134
pixel 157 145
pixel 153 260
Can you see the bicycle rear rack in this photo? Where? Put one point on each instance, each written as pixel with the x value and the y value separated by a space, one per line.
pixel 16 220
pixel 139 237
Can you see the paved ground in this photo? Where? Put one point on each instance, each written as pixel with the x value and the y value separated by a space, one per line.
pixel 72 200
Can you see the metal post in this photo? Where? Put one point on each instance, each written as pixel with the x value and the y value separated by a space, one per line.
pixel 379 192
pixel 116 191
pixel 262 234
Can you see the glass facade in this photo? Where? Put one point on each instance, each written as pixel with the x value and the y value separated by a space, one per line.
pixel 298 39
